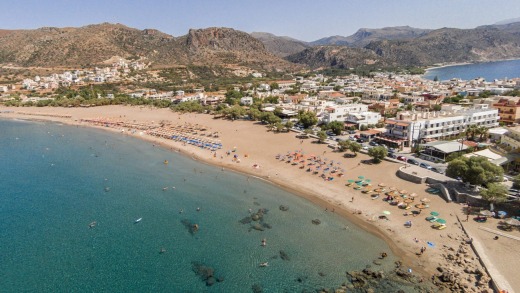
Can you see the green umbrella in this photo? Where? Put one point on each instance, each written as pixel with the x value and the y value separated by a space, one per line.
pixel 434 214
pixel 361 177
pixel 386 213
pixel 441 221
pixel 367 180
pixel 351 181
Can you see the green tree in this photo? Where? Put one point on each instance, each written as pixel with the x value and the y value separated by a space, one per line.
pixel 289 124
pixel 437 107
pixel 234 112
pixel 354 147
pixel 279 126
pixel 233 97
pixel 336 127
pixel 377 153
pixel 322 136
pixel 343 145
pixel 516 181
pixel 254 114
pixel 495 193
pixel 471 131
pixel 307 119
pixel 474 170
pixel 274 86
pixel 278 111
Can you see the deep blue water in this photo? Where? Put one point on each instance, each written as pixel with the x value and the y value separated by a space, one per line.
pixel 488 70
pixel 54 181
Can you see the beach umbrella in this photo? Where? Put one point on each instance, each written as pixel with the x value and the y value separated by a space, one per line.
pixel 441 221
pixel 386 213
pixel 392 188
pixel 486 213
pixel 367 180
pixel 425 200
pixel 351 181
pixel 502 214
pixel 434 214
pixel 413 194
pixel 408 200
pixel 512 222
pixel 361 177
pixel 403 191
pixel 382 184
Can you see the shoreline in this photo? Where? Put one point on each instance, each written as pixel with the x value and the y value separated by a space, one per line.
pixel 324 194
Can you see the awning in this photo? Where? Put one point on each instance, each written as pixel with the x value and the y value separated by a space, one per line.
pixel 402 124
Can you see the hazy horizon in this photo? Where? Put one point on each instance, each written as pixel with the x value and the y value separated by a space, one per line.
pixel 304 20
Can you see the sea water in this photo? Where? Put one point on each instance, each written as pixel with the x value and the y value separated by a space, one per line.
pixel 56 180
pixel 487 70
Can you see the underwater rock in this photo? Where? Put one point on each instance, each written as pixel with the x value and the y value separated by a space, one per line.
pixel 267 226
pixel 283 208
pixel 192 227
pixel 257 288
pixel 246 220
pixel 316 221
pixel 284 255
pixel 206 273
pixel 257 227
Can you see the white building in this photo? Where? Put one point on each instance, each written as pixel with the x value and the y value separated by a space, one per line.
pixel 246 101
pixel 341 112
pixel 363 118
pixel 427 126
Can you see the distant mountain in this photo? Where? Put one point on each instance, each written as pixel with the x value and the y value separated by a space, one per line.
pixel 507 21
pixel 279 45
pixel 94 44
pixel 438 46
pixel 450 45
pixel 511 27
pixel 365 35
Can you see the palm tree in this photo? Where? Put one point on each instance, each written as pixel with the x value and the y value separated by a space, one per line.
pixel 470 132
pixel 482 131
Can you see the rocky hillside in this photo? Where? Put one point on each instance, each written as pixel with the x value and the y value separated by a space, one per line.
pixel 366 35
pixel 280 46
pixel 450 45
pixel 95 44
pixel 336 57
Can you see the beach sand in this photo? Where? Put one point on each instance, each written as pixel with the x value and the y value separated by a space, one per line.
pixel 261 147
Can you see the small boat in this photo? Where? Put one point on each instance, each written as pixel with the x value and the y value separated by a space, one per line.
pixel 264 264
pixel 166 162
pixel 92 225
pixel 138 220
pixel 264 242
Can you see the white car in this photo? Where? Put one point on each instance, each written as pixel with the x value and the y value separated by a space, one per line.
pixel 365 148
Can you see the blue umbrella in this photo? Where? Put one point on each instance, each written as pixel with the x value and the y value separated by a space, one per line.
pixel 361 177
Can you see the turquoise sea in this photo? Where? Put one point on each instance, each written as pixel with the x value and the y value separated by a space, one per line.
pixel 57 179
pixel 488 70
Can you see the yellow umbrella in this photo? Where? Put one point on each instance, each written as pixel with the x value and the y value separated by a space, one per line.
pixel 381 184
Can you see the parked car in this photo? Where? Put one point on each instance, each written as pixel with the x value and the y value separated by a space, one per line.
pixel 391 150
pixel 352 131
pixel 373 143
pixel 425 166
pixel 412 161
pixel 365 148
pixel 437 170
pixel 392 155
pixel 402 158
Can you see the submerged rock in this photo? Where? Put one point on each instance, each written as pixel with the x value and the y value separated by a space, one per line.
pixel 316 221
pixel 284 255
pixel 283 208
pixel 257 288
pixel 246 220
pixel 206 273
pixel 192 227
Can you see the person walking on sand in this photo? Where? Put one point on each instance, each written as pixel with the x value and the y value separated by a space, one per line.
pixel 352 200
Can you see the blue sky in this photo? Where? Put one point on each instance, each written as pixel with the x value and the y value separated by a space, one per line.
pixel 306 20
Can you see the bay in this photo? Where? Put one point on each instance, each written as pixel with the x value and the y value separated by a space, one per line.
pixel 57 179
pixel 487 70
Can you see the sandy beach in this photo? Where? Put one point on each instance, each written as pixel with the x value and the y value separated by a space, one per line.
pixel 256 150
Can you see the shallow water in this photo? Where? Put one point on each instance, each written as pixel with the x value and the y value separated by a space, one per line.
pixel 57 179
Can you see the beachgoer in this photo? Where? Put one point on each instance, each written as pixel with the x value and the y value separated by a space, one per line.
pixel 352 200
pixel 495 238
